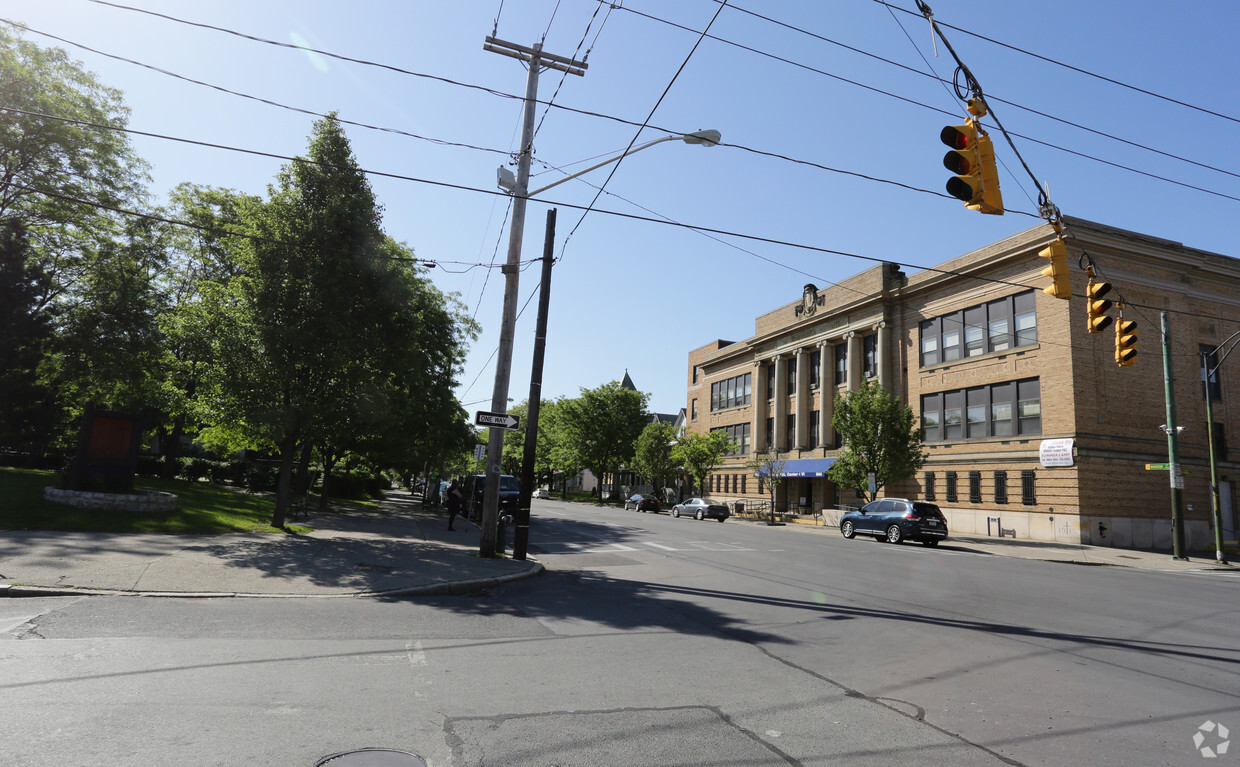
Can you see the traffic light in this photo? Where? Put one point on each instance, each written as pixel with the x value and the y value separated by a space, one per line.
pixel 1125 341
pixel 1097 305
pixel 1061 285
pixel 972 159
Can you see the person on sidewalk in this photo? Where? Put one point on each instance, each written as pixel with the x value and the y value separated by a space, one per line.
pixel 454 503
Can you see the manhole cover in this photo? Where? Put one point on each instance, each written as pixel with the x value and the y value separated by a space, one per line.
pixel 371 757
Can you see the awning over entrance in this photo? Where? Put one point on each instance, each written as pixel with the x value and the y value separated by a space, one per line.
pixel 803 467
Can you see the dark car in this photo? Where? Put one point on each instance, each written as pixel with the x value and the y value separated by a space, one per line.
pixel 895 520
pixel 701 508
pixel 643 502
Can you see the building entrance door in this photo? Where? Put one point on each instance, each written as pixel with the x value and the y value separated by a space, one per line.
pixel 1227 511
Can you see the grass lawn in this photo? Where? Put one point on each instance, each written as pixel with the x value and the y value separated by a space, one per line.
pixel 202 508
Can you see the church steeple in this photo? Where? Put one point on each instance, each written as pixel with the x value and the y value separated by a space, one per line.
pixel 626 382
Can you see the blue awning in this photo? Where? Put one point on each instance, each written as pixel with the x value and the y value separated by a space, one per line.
pixel 803 467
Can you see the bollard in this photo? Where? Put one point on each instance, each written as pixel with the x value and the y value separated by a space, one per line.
pixel 501 534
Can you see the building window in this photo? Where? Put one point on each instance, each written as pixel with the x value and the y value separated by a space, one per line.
pixel 1000 487
pixel 790 432
pixel 697 374
pixel 744 481
pixel 770 434
pixel 739 434
pixel 998 410
pixel 815 365
pixel 770 380
pixel 992 327
pixel 761 486
pixel 815 427
pixel 731 392
pixel 1211 362
pixel 693 410
pixel 1027 496
pixel 792 375
pixel 928 482
pixel 975 487
pixel 841 363
pixel 950 479
pixel 869 356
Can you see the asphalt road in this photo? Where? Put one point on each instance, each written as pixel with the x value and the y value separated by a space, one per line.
pixel 650 641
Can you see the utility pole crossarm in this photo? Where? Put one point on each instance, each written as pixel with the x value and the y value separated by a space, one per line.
pixel 522 53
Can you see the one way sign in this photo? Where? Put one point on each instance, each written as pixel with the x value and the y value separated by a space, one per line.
pixel 500 420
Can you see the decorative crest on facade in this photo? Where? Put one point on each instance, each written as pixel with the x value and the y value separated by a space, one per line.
pixel 810 301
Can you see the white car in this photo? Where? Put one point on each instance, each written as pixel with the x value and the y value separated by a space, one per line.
pixel 542 493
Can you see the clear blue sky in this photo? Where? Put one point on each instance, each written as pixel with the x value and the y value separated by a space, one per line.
pixel 634 295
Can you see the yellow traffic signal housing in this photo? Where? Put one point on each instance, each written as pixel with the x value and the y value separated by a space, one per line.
pixel 1125 342
pixel 972 158
pixel 1061 284
pixel 1097 305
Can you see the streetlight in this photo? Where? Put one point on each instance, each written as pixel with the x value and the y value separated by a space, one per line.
pixel 1216 511
pixel 519 186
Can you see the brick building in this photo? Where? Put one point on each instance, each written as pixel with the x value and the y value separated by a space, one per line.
pixel 1031 426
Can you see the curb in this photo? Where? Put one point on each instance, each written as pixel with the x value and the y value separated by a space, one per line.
pixel 452 588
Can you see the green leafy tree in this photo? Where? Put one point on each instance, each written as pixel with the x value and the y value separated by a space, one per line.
pixel 601 427
pixel 879 437
pixel 25 331
pixel 770 468
pixel 299 325
pixel 700 454
pixel 652 457
pixel 57 168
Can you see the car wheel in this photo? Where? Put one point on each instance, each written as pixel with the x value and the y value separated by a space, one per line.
pixel 676 512
pixel 894 535
pixel 699 516
pixel 931 542
pixel 848 530
pixel 721 519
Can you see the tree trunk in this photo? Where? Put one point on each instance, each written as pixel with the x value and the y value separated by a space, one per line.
pixel 172 448
pixel 288 448
pixel 302 486
pixel 329 462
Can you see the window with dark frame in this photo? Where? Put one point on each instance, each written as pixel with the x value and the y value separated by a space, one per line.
pixel 869 356
pixel 790 431
pixel 928 482
pixel 995 326
pixel 815 427
pixel 770 380
pixel 975 487
pixel 1027 496
pixel 841 363
pixel 731 392
pixel 1000 487
pixel 949 479
pixel 815 366
pixel 999 410
pixel 792 375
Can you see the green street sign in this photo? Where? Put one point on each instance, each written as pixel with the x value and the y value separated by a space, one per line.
pixel 1161 466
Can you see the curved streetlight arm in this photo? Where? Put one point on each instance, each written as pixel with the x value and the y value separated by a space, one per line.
pixel 703 137
pixel 1219 363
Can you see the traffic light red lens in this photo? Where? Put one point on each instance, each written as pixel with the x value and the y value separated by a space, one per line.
pixel 954 137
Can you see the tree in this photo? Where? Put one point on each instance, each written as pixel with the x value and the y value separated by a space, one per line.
pixel 879 437
pixel 769 467
pixel 602 425
pixel 296 329
pixel 700 454
pixel 57 168
pixel 652 457
pixel 25 330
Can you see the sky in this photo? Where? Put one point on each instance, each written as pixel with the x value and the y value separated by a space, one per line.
pixel 830 113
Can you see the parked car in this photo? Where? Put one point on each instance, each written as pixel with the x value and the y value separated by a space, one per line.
pixel 701 508
pixel 643 502
pixel 895 520
pixel 542 492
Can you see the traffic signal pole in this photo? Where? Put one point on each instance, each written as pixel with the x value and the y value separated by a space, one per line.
pixel 1173 448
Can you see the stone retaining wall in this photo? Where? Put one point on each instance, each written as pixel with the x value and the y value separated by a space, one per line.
pixel 149 501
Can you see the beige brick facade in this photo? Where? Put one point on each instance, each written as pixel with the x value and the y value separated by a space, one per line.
pixel 1051 381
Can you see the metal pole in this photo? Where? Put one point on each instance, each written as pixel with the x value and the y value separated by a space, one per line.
pixel 1216 512
pixel 521 537
pixel 512 274
pixel 1173 448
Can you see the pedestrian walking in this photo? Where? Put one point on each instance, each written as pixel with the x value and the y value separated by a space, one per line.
pixel 454 503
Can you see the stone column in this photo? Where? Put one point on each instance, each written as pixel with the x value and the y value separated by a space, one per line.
pixel 826 393
pixel 780 398
pixel 760 396
pixel 802 414
pixel 855 363
pixel 884 355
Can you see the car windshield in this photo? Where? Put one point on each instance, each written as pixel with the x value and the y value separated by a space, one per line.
pixel 509 484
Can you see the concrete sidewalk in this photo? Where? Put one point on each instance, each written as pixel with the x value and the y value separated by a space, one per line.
pixel 398 549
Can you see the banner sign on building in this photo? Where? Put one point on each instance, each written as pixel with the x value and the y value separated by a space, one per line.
pixel 1055 452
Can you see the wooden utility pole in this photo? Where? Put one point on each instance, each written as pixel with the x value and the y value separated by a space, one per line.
pixel 536 59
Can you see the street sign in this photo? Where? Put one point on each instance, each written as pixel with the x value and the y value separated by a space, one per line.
pixel 1158 466
pixel 480 452
pixel 498 420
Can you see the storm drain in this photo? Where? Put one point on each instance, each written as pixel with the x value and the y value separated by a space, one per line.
pixel 371 757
